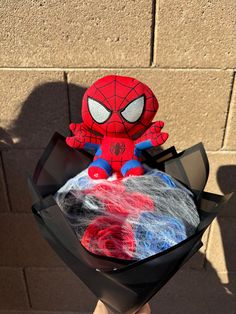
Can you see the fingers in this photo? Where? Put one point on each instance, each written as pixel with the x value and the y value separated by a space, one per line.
pixel 161 138
pixel 164 137
pixel 159 124
pixel 144 310
pixel 75 127
pixel 70 141
pixel 100 308
pixel 72 127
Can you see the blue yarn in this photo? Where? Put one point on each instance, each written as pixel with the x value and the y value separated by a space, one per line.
pixel 164 178
pixel 156 233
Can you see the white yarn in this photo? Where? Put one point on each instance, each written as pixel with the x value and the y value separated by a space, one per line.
pixel 166 215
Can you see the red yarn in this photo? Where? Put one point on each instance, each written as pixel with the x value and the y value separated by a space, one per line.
pixel 113 236
pixel 104 193
pixel 109 236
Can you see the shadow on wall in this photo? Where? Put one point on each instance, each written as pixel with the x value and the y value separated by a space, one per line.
pixel 46 111
pixel 226 178
pixel 43 112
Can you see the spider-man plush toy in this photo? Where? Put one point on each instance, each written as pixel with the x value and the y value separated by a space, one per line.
pixel 116 110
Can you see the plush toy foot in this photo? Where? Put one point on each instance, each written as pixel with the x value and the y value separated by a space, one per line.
pixel 97 173
pixel 99 169
pixel 135 172
pixel 132 168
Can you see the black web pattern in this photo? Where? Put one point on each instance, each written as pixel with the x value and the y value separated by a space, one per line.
pixel 138 125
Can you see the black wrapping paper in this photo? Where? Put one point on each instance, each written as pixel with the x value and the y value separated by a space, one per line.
pixel 124 286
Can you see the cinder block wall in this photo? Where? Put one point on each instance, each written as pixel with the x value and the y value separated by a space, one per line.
pixel 50 51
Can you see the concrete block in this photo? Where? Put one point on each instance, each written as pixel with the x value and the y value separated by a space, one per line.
pixel 195 34
pixel 230 134
pixel 58 289
pixel 192 103
pixel 222 178
pixel 197 292
pixel 33 106
pixel 18 164
pixel 221 247
pixel 13 295
pixel 76 33
pixel 21 243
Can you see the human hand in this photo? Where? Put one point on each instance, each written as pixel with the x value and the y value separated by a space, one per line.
pixel 101 309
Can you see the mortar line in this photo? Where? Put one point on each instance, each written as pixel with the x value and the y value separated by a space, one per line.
pixel 153 31
pixel 14 213
pixel 228 110
pixel 154 63
pixel 5 182
pixel 233 151
pixel 222 151
pixel 27 288
pixel 68 95
pixel 68 69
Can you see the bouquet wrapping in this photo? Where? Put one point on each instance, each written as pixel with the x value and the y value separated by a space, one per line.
pixel 124 285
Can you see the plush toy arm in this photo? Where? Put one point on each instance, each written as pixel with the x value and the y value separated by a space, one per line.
pixel 152 137
pixel 82 137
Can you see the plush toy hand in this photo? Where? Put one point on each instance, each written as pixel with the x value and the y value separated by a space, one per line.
pixel 155 127
pixel 77 127
pixel 155 135
pixel 82 136
pixel 152 137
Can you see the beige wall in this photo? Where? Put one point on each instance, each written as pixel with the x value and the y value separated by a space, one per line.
pixel 50 51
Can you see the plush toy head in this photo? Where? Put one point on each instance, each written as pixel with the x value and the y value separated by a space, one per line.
pixel 118 106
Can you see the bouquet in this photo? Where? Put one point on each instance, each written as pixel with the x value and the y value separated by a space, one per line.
pixel 110 217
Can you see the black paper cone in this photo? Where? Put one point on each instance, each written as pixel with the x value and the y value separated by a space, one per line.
pixel 124 286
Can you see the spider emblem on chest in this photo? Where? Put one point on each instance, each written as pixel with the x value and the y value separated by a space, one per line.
pixel 117 148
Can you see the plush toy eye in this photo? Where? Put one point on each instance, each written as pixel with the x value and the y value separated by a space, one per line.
pixel 133 111
pixel 98 111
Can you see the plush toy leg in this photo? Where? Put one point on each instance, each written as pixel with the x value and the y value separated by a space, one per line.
pixel 132 168
pixel 99 169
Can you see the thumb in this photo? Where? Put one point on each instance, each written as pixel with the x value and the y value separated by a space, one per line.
pixel 144 310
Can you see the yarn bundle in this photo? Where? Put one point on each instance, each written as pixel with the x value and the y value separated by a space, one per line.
pixel 128 218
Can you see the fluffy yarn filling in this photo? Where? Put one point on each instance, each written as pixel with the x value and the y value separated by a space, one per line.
pixel 128 218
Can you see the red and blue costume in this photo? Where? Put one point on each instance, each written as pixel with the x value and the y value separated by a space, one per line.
pixel 117 114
